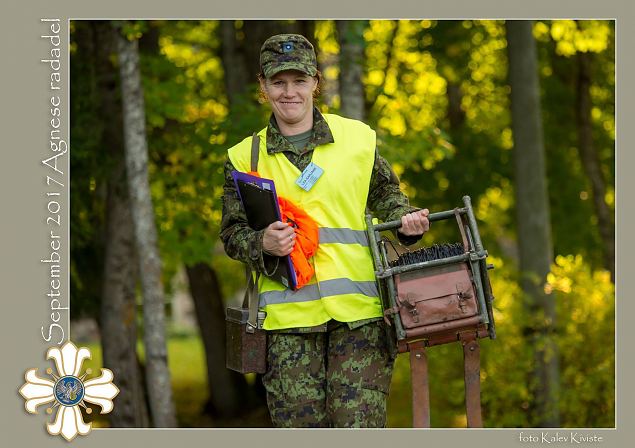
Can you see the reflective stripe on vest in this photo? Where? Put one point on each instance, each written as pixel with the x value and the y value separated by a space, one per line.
pixel 343 236
pixel 344 284
pixel 327 288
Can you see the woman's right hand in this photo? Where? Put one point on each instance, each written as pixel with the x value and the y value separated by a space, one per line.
pixel 278 239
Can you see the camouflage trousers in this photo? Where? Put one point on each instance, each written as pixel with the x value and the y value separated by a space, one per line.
pixel 339 378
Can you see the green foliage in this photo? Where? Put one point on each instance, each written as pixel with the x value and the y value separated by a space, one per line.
pixel 586 337
pixel 182 164
pixel 405 94
pixel 569 187
pixel 191 127
pixel 132 29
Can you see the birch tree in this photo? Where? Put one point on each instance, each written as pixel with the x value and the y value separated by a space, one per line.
pixel 136 155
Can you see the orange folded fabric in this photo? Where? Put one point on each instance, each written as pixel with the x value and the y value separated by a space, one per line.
pixel 306 241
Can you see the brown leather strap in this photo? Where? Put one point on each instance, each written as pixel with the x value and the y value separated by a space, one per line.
pixel 388 312
pixel 255 151
pixel 419 379
pixel 471 361
pixel 459 220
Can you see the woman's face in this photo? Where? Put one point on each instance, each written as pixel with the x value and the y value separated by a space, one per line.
pixel 290 94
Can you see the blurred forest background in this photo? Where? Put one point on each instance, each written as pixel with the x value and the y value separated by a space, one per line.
pixel 519 115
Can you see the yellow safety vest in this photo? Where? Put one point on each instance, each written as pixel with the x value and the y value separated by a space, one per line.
pixel 343 287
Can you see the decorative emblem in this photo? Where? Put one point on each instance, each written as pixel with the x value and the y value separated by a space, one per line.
pixel 68 391
pixel 287 47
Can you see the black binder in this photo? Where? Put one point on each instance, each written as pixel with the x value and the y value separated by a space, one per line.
pixel 260 202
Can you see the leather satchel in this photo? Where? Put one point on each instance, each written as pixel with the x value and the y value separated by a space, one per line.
pixel 246 349
pixel 435 300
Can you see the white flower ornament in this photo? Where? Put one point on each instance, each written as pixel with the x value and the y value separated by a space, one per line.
pixel 68 391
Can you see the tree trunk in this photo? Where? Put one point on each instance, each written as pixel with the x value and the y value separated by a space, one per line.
pixel 351 40
pixel 236 77
pixel 533 218
pixel 307 29
pixel 136 150
pixel 228 388
pixel 456 114
pixel 118 306
pixel 590 161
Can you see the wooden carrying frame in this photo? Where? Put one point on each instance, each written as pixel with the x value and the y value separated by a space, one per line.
pixel 437 302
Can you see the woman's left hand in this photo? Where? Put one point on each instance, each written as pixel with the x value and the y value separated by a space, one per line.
pixel 415 223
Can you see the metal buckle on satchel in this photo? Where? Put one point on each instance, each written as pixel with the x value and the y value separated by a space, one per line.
pixel 249 328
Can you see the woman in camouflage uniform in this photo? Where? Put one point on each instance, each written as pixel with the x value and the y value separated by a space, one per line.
pixel 337 373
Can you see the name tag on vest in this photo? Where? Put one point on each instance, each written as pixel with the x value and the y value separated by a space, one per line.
pixel 309 176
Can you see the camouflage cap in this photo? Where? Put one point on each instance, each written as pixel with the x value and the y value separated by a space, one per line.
pixel 287 52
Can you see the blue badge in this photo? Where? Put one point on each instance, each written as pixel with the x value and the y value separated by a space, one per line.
pixel 309 176
pixel 287 47
pixel 69 390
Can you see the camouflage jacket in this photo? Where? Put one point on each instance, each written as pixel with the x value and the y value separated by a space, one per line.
pixel 385 200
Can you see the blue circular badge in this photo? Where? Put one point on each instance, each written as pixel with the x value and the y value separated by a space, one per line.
pixel 69 390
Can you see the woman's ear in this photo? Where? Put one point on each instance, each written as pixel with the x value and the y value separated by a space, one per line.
pixel 262 95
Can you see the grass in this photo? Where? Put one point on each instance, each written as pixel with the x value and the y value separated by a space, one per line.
pixel 187 368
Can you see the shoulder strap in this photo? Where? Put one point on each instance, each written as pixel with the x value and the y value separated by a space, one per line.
pixel 255 151
pixel 250 301
pixel 251 293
